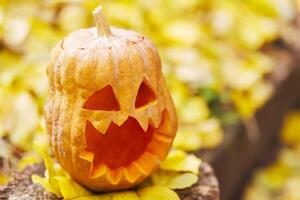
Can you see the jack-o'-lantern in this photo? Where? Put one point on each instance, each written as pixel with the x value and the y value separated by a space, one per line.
pixel 109 113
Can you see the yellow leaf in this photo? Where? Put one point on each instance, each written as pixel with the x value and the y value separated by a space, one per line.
pixel 72 17
pixel 195 110
pixel 182 31
pixel 46 185
pixel 21 119
pixel 183 181
pixel 174 180
pixel 179 91
pixel 70 189
pixel 96 197
pixel 157 193
pixel 15 31
pixel 28 159
pixel 210 133
pixel 57 180
pixel 3 179
pixel 291 129
pixel 126 195
pixel 178 160
pixel 187 138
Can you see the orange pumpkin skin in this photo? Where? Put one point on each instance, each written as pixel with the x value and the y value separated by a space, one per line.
pixel 110 116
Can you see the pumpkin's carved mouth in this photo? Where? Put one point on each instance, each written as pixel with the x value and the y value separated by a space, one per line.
pixel 119 145
pixel 125 148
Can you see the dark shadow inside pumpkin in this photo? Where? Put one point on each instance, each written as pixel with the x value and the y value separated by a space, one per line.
pixel 120 145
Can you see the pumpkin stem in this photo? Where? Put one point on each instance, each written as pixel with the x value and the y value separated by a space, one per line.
pixel 101 24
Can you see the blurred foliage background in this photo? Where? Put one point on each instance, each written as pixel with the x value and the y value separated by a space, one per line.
pixel 210 53
pixel 281 179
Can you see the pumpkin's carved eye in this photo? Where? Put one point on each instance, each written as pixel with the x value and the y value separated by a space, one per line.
pixel 144 96
pixel 103 99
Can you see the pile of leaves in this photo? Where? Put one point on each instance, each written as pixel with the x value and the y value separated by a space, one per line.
pixel 210 55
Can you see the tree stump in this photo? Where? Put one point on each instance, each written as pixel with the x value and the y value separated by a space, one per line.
pixel 20 187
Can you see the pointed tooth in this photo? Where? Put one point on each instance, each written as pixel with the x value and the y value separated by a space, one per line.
pixel 110 176
pixel 119 174
pixel 130 173
pixel 156 117
pixel 144 124
pixel 143 120
pixel 120 118
pixel 102 125
pixel 97 115
pixel 114 176
pixel 88 156
pixel 148 162
pixel 98 171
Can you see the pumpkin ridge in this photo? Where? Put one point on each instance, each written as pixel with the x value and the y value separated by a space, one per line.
pixel 57 107
pixel 71 136
pixel 143 53
pixel 116 70
pixel 69 100
pixel 130 69
pixel 61 118
pixel 147 65
pixel 54 125
pixel 61 91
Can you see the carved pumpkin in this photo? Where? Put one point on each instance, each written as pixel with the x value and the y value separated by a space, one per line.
pixel 110 115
